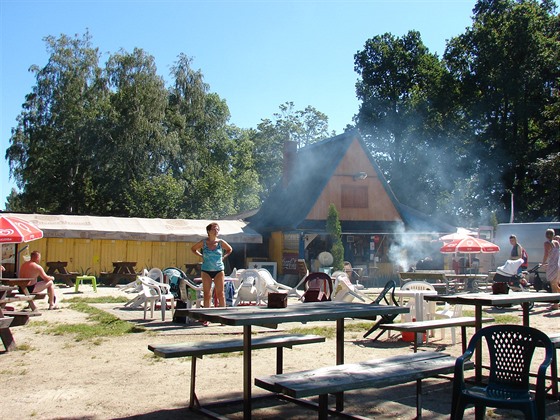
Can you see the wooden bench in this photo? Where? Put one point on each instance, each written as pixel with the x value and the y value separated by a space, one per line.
pixel 375 373
pixel 423 327
pixel 12 319
pixel 200 349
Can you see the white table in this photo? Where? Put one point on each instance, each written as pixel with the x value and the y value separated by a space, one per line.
pixel 419 303
pixel 418 296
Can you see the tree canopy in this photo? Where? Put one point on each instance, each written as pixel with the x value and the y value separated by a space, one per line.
pixel 457 136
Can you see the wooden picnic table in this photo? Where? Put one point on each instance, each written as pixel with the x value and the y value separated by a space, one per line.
pixel 58 270
pixel 121 270
pixel 23 285
pixel 247 316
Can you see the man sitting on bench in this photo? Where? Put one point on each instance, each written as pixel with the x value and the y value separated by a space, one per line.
pixel 33 270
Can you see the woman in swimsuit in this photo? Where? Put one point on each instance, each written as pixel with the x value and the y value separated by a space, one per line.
pixel 213 252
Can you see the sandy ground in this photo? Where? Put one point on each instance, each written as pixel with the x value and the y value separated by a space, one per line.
pixel 57 377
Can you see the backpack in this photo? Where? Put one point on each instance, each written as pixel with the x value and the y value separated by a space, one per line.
pixel 525 257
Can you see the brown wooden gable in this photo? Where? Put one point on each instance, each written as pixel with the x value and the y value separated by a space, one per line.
pixel 355 200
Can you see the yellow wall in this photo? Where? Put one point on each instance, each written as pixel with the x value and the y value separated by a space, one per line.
pixel 95 255
pixel 275 248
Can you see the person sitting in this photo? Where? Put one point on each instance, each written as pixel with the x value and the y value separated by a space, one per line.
pixel 32 269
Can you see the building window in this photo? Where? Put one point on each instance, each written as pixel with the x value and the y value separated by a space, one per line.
pixel 354 197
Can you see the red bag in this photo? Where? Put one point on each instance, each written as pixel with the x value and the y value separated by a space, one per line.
pixel 525 257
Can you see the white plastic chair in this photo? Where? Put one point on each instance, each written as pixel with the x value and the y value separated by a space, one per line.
pixel 429 307
pixel 265 283
pixel 155 291
pixel 190 294
pixel 344 290
pixel 156 274
pixel 303 272
pixel 246 293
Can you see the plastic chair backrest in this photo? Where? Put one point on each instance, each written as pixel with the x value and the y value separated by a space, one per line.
pixel 417 285
pixel 389 289
pixel 172 275
pixel 318 287
pixel 156 274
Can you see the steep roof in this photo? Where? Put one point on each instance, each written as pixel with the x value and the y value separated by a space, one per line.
pixel 288 204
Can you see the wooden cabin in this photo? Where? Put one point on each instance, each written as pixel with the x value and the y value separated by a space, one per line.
pixel 380 235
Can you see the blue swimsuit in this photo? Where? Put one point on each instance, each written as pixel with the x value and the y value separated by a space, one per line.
pixel 212 261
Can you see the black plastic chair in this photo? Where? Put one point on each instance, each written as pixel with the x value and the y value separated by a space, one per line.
pixel 511 349
pixel 387 295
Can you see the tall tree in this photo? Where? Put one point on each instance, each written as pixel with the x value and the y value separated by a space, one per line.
pixel 302 126
pixel 50 149
pixel 507 63
pixel 406 117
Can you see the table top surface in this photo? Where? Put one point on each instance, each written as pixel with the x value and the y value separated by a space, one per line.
pixel 413 292
pixel 490 299
pixel 17 282
pixel 299 312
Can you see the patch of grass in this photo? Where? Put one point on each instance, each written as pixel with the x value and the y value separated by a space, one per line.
pixel 97 299
pixel 328 332
pixel 25 347
pixel 103 325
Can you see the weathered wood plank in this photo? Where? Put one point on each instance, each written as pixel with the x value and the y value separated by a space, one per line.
pixel 227 346
pixel 423 326
pixel 374 373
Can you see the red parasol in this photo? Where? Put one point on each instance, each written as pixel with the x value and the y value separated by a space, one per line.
pixel 14 230
pixel 470 246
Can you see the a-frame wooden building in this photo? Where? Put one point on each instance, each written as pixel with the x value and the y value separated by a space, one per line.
pixel 379 233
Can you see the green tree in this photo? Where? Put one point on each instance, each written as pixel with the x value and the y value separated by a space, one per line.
pixel 334 230
pixel 51 147
pixel 507 64
pixel 304 127
pixel 406 117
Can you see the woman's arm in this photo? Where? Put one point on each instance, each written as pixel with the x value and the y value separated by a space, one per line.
pixel 227 248
pixel 197 247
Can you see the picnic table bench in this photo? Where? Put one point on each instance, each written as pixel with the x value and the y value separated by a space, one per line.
pixel 10 318
pixel 422 327
pixel 200 349
pixel 375 373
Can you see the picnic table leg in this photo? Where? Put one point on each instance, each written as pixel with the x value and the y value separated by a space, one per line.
pixel 247 403
pixel 478 352
pixel 193 400
pixel 418 399
pixel 323 407
pixel 31 304
pixel 7 339
pixel 340 358
pixel 525 306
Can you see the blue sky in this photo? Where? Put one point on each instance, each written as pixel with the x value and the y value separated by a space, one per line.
pixel 255 54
